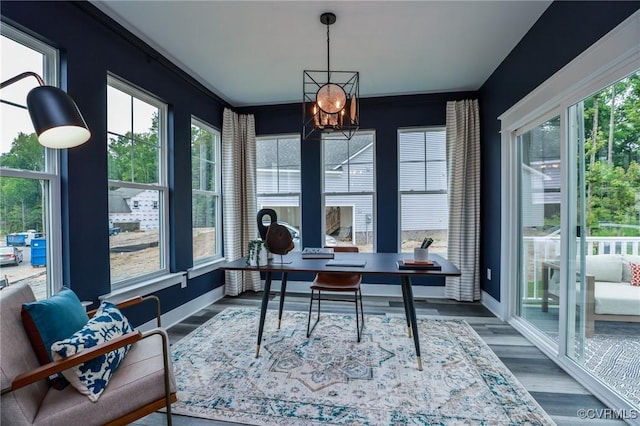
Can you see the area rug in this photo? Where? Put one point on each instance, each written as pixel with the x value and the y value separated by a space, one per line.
pixel 614 361
pixel 330 379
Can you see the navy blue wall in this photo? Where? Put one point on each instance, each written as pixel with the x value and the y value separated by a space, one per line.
pixel 91 48
pixel 564 31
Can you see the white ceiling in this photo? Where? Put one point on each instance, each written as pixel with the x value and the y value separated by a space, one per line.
pixel 254 52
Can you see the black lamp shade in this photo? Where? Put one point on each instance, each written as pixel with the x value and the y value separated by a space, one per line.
pixel 56 118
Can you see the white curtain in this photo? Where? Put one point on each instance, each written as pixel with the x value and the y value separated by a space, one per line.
pixel 463 164
pixel 239 197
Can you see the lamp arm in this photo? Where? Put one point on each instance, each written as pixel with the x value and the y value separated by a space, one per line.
pixel 20 77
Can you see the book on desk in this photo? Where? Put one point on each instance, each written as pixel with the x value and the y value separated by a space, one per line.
pixel 317 253
pixel 419 264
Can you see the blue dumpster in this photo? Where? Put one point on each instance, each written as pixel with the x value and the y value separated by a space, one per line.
pixel 16 239
pixel 39 252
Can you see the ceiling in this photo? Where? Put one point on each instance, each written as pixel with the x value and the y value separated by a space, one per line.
pixel 254 52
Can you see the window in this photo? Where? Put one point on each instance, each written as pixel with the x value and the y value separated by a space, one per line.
pixel 424 204
pixel 278 179
pixel 349 182
pixel 29 178
pixel 137 167
pixel 205 185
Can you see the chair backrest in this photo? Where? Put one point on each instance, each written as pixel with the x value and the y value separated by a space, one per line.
pixel 340 277
pixel 350 249
pixel 17 356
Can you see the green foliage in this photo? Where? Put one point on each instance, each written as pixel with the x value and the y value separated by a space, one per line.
pixel 21 199
pixel 134 157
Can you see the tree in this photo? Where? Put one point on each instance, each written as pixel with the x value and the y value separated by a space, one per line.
pixel 21 199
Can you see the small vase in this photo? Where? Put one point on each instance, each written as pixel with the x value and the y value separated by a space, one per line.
pixel 263 256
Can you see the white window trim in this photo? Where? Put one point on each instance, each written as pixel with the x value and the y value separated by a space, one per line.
pixel 207 264
pixel 51 75
pixel 610 59
pixel 162 186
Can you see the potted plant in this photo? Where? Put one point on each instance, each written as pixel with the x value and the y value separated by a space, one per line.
pixel 257 254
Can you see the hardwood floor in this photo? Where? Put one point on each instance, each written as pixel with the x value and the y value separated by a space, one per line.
pixel 558 394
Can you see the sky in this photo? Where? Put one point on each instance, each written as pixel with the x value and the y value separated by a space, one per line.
pixel 13 119
pixel 15 58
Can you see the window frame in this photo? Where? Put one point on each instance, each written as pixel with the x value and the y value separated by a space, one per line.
pixel 372 193
pixel 425 191
pixel 298 195
pixel 217 194
pixel 162 186
pixel 51 173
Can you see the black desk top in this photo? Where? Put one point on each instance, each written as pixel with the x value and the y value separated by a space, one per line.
pixel 377 263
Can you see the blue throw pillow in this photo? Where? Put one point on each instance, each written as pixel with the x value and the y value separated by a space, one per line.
pixel 47 321
pixel 92 377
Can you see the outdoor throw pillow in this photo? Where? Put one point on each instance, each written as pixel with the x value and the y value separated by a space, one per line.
pixel 50 320
pixel 92 377
pixel 635 273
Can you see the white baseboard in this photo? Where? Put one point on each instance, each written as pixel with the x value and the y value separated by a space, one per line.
pixel 178 314
pixel 388 290
pixel 493 305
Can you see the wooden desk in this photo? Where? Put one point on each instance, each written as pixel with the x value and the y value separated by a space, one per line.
pixel 376 264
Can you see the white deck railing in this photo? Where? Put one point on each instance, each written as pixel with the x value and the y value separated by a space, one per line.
pixel 541 249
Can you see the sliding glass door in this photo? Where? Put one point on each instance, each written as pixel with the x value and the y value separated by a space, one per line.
pixel 603 305
pixel 538 288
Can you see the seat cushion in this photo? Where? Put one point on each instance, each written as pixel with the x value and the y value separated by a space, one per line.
pixel 338 281
pixel 139 380
pixel 617 298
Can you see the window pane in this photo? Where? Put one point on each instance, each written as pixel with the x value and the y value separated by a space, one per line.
pixel 22 224
pixel 19 146
pixel 134 221
pixel 205 201
pixel 204 225
pixel 133 156
pixel 278 164
pixel 424 208
pixel 354 225
pixel 424 215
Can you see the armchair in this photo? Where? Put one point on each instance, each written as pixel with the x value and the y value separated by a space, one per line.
pixel 142 384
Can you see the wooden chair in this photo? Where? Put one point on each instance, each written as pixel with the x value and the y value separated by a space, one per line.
pixel 337 282
pixel 143 383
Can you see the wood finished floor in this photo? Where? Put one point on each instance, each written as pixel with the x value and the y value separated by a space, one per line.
pixel 556 392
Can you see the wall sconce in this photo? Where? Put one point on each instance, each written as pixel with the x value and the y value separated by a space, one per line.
pixel 55 116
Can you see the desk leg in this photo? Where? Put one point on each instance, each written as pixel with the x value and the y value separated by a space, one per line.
pixel 406 303
pixel 263 309
pixel 283 290
pixel 407 293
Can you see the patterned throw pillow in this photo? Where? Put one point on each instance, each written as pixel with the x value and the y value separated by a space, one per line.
pixel 92 377
pixel 635 273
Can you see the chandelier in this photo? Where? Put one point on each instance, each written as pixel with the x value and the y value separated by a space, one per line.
pixel 330 100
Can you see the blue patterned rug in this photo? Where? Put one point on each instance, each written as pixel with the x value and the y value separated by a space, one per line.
pixel 330 379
